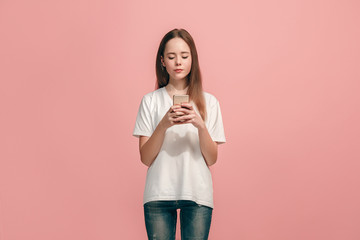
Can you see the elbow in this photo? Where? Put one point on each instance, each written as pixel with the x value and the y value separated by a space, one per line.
pixel 211 161
pixel 144 160
pixel 212 158
pixel 145 163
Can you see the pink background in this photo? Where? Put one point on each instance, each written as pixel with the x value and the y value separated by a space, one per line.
pixel 286 74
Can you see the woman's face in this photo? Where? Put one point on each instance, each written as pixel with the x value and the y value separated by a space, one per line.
pixel 177 59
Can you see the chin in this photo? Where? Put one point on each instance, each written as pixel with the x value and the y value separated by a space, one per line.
pixel 178 78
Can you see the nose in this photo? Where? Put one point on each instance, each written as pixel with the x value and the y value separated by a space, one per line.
pixel 178 61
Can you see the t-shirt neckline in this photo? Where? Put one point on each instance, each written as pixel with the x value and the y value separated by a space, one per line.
pixel 167 94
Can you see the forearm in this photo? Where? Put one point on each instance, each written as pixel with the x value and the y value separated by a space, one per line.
pixel 208 146
pixel 150 149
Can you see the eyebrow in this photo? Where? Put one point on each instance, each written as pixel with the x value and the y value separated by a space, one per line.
pixel 174 53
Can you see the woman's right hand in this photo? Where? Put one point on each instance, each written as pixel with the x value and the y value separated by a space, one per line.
pixel 169 118
pixel 150 146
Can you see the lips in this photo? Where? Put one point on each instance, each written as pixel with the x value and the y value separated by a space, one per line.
pixel 178 70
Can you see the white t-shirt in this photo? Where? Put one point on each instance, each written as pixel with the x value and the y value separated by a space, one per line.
pixel 179 171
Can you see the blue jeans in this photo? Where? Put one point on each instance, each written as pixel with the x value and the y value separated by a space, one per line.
pixel 161 216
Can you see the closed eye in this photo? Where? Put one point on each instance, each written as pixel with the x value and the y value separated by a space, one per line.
pixel 182 57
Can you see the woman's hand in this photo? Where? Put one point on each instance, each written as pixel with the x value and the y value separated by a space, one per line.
pixel 171 117
pixel 150 146
pixel 186 114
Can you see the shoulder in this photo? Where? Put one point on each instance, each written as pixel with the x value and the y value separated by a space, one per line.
pixel 151 96
pixel 210 100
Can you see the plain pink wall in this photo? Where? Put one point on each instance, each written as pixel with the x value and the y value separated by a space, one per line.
pixel 286 74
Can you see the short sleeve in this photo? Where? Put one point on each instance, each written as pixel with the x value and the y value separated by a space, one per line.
pixel 143 126
pixel 215 123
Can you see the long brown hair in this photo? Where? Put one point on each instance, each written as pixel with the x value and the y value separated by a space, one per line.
pixel 195 90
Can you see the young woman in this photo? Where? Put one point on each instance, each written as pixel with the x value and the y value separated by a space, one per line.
pixel 178 143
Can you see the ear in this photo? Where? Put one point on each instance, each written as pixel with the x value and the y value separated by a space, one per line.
pixel 162 61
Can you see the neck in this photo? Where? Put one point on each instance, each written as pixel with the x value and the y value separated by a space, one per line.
pixel 178 85
pixel 179 88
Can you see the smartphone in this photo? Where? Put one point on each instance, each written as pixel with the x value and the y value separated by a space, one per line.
pixel 178 99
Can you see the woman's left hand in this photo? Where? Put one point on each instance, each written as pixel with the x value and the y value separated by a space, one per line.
pixel 187 114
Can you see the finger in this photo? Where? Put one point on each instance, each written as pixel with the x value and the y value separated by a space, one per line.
pixel 185 111
pixel 175 117
pixel 177 122
pixel 186 117
pixel 187 105
pixel 174 108
pixel 180 119
pixel 177 113
pixel 187 121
